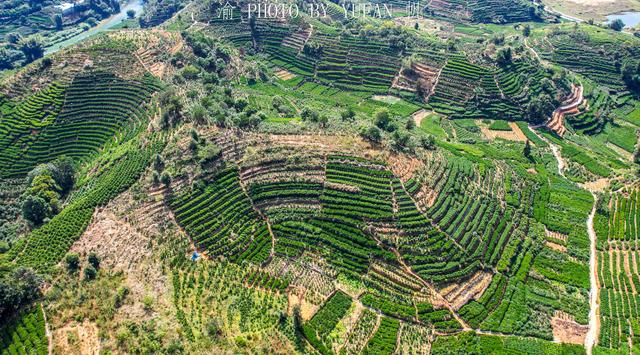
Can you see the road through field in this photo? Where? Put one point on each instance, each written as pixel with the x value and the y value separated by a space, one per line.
pixel 113 20
pixel 554 149
pixel 592 334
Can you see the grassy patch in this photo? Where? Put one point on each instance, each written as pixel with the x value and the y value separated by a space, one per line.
pixel 633 116
pixel 500 125
pixel 283 119
pixel 431 125
pixel 524 127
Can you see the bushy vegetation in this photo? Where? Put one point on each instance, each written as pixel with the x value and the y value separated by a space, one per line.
pixel 468 342
pixel 49 243
pixel 24 333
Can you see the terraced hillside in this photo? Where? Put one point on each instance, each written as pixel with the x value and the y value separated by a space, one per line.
pixel 433 246
pixel 76 121
pixel 460 183
pixel 617 269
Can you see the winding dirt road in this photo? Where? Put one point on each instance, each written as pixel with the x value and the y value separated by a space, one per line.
pixel 592 334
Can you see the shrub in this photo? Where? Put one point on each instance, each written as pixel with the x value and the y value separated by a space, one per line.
pixel 190 72
pixel 372 134
pixel 166 179
pixel 120 295
pixel 147 302
pixel 17 288
pixel 428 142
pixel 90 273
pixel 504 56
pixel 382 119
pixel 32 48
pixel 35 209
pixel 94 260
pixel 309 114
pixel 617 25
pixel 411 124
pixel 72 261
pixel 348 115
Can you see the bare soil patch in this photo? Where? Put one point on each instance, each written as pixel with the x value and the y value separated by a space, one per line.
pixel 556 247
pixel 284 74
pixel 556 235
pixel 389 99
pixel 515 134
pixel 295 296
pixel 517 131
pixel 419 115
pixel 123 247
pixel 77 338
pixel 403 166
pixel 460 294
pixel 566 330
pixel 117 243
pixel 597 185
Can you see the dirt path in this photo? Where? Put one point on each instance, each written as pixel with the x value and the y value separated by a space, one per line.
pixel 433 290
pixel 554 149
pixel 47 331
pixel 535 54
pixel 563 15
pixel 592 334
pixel 556 153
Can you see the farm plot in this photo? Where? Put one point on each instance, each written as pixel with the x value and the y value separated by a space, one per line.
pixel 618 276
pixel 318 328
pixel 466 90
pixel 220 219
pixel 213 296
pixel 465 215
pixel 24 333
pixel 469 342
pixel 477 235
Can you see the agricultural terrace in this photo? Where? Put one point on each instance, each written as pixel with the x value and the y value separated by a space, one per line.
pixel 456 87
pixel 618 278
pixel 428 246
pixel 75 121
pixel 328 185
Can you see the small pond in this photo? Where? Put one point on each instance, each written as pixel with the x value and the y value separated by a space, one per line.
pixel 630 19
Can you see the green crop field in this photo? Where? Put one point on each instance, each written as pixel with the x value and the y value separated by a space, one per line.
pixel 458 177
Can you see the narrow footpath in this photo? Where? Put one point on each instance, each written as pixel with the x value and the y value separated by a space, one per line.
pixel 592 334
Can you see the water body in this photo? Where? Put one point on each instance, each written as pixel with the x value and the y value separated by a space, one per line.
pixel 102 26
pixel 630 19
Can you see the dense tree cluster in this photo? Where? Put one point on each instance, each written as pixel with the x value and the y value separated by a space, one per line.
pixel 631 75
pixel 47 183
pixel 18 287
